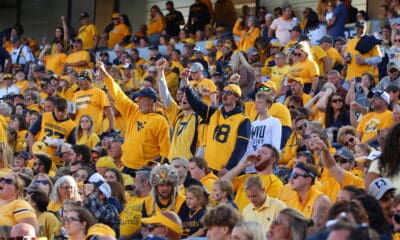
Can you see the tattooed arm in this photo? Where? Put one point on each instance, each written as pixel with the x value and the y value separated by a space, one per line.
pixel 321 208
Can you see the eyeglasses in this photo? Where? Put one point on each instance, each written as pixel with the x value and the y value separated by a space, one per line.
pixel 301 127
pixel 291 107
pixel 397 40
pixel 6 180
pixel 264 89
pixel 44 182
pixel 70 220
pixel 393 70
pixel 22 238
pixel 338 100
pixel 295 175
pixel 351 140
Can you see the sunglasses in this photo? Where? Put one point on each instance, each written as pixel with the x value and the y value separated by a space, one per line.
pixel 342 160
pixel 301 127
pixel 351 140
pixel 44 182
pixel 6 180
pixel 338 100
pixel 296 54
pixel 393 70
pixel 264 89
pixel 295 175
pixel 227 93
pixel 114 19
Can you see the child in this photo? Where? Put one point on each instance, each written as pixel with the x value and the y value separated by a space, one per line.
pixel 223 192
pixel 193 211
pixel 361 152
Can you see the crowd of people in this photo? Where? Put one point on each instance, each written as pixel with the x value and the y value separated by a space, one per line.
pixel 281 128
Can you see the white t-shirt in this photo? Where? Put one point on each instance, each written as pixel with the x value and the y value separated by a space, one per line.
pixel 9 90
pixel 267 131
pixel 316 34
pixel 282 29
pixel 25 56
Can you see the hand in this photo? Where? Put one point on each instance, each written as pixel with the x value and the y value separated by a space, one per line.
pixel 234 78
pixel 185 77
pixel 250 160
pixel 160 65
pixel 354 105
pixel 62 19
pixel 88 189
pixel 353 81
pixel 360 61
pixel 204 91
pixel 319 144
pixel 222 172
pixel 101 67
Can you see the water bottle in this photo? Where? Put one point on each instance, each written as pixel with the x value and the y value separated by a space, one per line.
pixel 348 57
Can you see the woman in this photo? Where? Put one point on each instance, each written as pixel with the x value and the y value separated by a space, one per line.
pixel 60 35
pixel 42 181
pixel 358 92
pixel 387 165
pixel 281 26
pixel 6 156
pixel 77 222
pixel 65 188
pixel 114 175
pixel 248 231
pixel 347 136
pixel 336 115
pixel 249 35
pixel 13 209
pixel 305 67
pixel 19 124
pixel 156 24
pixel 290 225
pixel 85 132
pixel 54 61
pixel 314 29
pixel 83 174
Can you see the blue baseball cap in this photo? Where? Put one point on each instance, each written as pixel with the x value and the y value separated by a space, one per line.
pixel 146 92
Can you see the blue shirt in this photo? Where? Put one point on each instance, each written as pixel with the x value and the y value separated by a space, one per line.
pixel 340 14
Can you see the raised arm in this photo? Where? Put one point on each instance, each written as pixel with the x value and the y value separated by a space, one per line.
pixel 65 27
pixel 162 84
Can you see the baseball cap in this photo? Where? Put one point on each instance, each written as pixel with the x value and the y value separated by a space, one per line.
pixel 39 148
pixel 85 75
pixel 126 66
pixel 7 97
pixel 196 66
pixel 159 218
pixel 190 41
pixel 63 148
pixel 83 15
pixel 146 92
pixel 340 39
pixel 198 49
pixel 296 29
pixel 383 95
pixel 97 180
pixel 392 88
pixel 345 153
pixel 15 39
pixel 106 162
pixel 100 229
pixel 8 76
pixel 295 79
pixel 268 84
pixel 373 155
pixel 210 45
pixel 379 187
pixel 392 65
pixel 23 154
pixel 252 51
pixel 326 39
pixel 233 88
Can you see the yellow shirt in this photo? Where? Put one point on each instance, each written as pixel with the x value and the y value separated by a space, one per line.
pixel 77 57
pixel 248 38
pixel 306 208
pixel 334 55
pixel 90 141
pixel 278 74
pixel 372 122
pixel 156 25
pixel 355 70
pixel 130 217
pixel 54 206
pixel 207 84
pixel 331 187
pixel 49 225
pixel 13 212
pixel 319 55
pixel 277 110
pixel 148 203
pixel 208 181
pixel 265 214
pixel 91 102
pixel 54 62
pixel 88 34
pixel 305 70
pixel 117 34
pixel 271 182
pixel 304 96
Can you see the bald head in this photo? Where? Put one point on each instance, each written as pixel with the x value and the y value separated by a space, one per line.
pixel 23 230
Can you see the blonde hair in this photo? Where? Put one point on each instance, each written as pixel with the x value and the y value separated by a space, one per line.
pixel 6 154
pixel 79 130
pixel 252 230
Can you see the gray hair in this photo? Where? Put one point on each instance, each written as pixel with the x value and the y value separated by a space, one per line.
pixel 7 109
pixel 55 197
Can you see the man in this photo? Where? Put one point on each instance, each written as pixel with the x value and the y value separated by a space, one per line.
pixel 334 77
pixel 185 179
pixel 118 50
pixel 23 230
pixel 262 208
pixel 42 164
pixel 146 129
pixel 186 123
pixel 53 128
pixel 263 162
pixel 132 213
pixel 383 191
pixel 337 170
pixel 92 101
pixel 309 201
pixel 21 54
pixel 336 23
pixel 78 59
pixel 63 151
pixel 105 58
pixel 297 86
pixel 265 129
pixel 118 32
pixel 87 32
pixel 96 195
pixel 228 129
pixel 8 87
pixel 379 119
pixel 166 224
pixel 279 71
pixel 360 62
pixel 80 153
pixel 174 19
pixel 115 152
pixel 204 86
pixel 199 171
pixel 253 56
pixel 165 195
pixel 199 16
pixel 392 78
